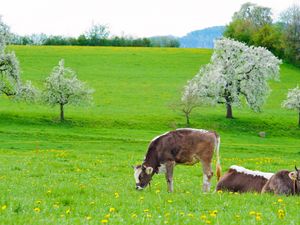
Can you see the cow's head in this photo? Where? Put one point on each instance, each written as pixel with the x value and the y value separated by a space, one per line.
pixel 142 176
pixel 295 175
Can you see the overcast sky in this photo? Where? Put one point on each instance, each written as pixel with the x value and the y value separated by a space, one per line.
pixel 140 18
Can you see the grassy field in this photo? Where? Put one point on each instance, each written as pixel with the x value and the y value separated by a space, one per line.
pixel 78 172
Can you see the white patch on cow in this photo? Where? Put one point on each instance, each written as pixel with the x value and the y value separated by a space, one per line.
pixel 159 136
pixel 192 129
pixel 251 172
pixel 137 172
pixel 162 168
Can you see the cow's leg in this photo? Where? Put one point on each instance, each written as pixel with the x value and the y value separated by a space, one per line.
pixel 169 174
pixel 207 175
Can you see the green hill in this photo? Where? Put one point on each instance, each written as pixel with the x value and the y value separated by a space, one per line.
pixel 81 164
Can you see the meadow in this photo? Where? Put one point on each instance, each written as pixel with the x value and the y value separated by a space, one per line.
pixel 79 171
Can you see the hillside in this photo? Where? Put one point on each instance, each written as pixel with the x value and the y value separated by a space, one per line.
pixel 79 172
pixel 202 38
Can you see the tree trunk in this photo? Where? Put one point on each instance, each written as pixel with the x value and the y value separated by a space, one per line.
pixel 187 116
pixel 62 116
pixel 229 111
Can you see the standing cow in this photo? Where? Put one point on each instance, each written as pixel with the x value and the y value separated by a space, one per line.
pixel 284 182
pixel 181 146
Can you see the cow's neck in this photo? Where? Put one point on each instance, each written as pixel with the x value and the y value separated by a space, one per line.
pixel 151 158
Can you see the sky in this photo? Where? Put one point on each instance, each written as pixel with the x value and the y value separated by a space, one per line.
pixel 139 18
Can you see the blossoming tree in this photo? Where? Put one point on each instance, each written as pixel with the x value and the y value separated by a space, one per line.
pixel 10 80
pixel 235 71
pixel 62 87
pixel 293 101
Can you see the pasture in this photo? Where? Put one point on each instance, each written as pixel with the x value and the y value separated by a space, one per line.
pixel 79 171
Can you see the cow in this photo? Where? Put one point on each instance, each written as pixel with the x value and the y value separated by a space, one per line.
pixel 181 146
pixel 240 179
pixel 284 182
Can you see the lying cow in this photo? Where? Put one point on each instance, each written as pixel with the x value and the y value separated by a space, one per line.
pixel 284 182
pixel 240 179
pixel 181 146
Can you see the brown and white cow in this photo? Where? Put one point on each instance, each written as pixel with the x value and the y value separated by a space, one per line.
pixel 240 179
pixel 284 182
pixel 181 146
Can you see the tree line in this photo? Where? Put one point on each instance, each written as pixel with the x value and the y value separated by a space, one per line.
pixel 97 35
pixel 253 25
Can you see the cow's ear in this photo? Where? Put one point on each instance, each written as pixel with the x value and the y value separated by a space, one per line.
pixel 149 170
pixel 293 175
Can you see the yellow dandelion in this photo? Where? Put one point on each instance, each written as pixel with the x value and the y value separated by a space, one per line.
pixel 190 215
pixel 148 215
pixel 56 206
pixel 133 215
pixel 258 218
pixel 141 198
pixel 111 210
pixel 92 203
pixel 68 211
pixel 251 213
pixel 4 207
pixel 107 216
pixel 167 214
pixel 208 222
pixel 104 221
pixel 280 200
pixel 281 214
pixel 88 217
pixel 237 216
pixel 219 191
pixel 157 191
pixel 49 192
pixel 37 209
pixel 203 217
pixel 169 201
pixel 146 210
pixel 117 195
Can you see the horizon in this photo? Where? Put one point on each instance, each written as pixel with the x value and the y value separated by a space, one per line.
pixel 143 19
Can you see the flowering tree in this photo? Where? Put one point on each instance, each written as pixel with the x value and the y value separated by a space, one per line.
pixel 62 87
pixel 293 101
pixel 10 80
pixel 235 70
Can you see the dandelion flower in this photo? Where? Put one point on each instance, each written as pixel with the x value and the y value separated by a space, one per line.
pixel 133 215
pixel 281 214
pixel 4 207
pixel 148 215
pixel 208 222
pixel 190 215
pixel 203 217
pixel 68 211
pixel 280 200
pixel 141 198
pixel 146 210
pixel 117 195
pixel 111 210
pixel 107 216
pixel 157 191
pixel 88 217
pixel 169 201
pixel 220 191
pixel 104 221
pixel 258 218
pixel 251 213
pixel 37 209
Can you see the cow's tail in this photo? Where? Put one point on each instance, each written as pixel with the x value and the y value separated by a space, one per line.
pixel 218 164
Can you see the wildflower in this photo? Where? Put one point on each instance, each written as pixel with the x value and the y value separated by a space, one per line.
pixel 213 213
pixel 111 210
pixel 148 215
pixel 258 218
pixel 55 205
pixel 4 207
pixel 117 195
pixel 107 216
pixel 146 210
pixel 38 202
pixel 68 211
pixel 220 191
pixel 104 221
pixel 251 213
pixel 281 214
pixel 92 203
pixel 208 222
pixel 157 191
pixel 280 200
pixel 88 217
pixel 169 201
pixel 141 198
pixel 49 192
pixel 37 209
pixel 203 217
pixel 190 215
pixel 133 215
pixel 167 214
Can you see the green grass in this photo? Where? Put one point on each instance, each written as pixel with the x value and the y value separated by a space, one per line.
pixel 72 171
